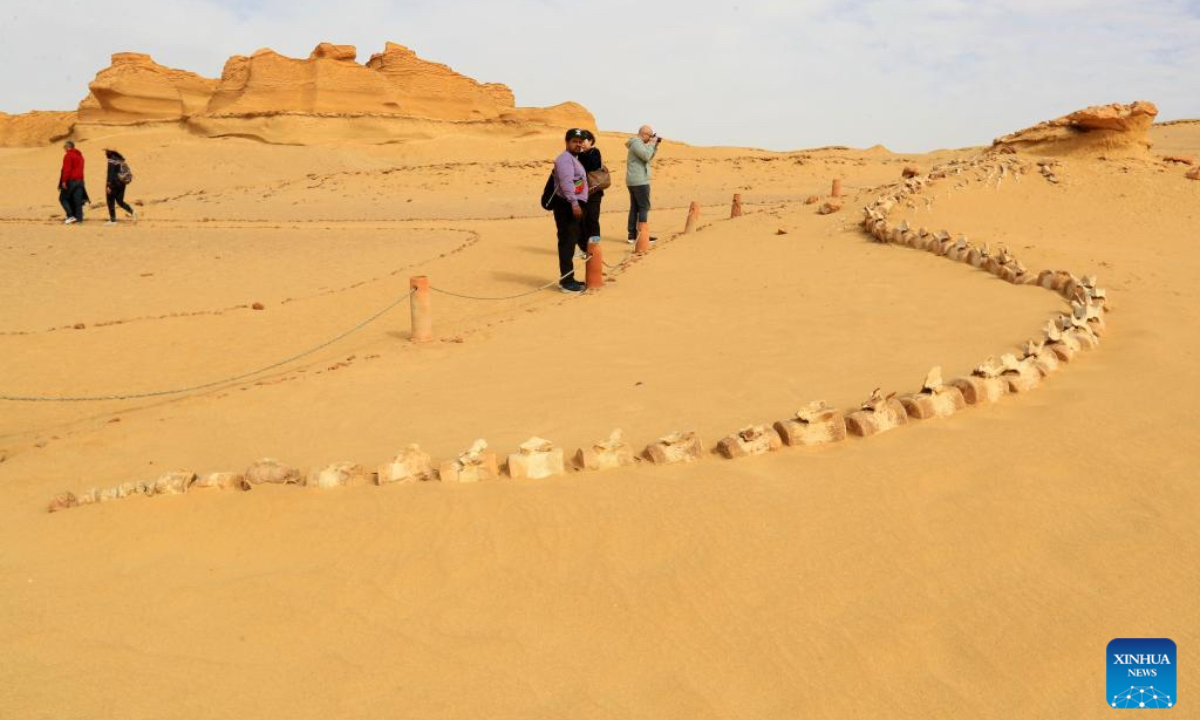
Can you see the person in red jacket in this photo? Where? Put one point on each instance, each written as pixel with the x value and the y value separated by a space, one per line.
pixel 72 194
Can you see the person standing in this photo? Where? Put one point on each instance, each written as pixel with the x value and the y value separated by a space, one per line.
pixel 597 174
pixel 71 191
pixel 642 150
pixel 114 188
pixel 570 197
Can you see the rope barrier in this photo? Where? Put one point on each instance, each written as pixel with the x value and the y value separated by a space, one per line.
pixel 550 284
pixel 215 383
pixel 298 356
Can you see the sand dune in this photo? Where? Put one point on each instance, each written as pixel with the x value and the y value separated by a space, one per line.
pixel 928 564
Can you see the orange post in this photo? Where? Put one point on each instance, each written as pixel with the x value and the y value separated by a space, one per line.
pixel 736 210
pixel 693 218
pixel 837 187
pixel 643 239
pixel 422 319
pixel 595 267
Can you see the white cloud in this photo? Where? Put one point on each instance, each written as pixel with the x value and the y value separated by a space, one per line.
pixel 912 75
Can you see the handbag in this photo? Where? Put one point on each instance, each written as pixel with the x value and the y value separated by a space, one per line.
pixel 599 179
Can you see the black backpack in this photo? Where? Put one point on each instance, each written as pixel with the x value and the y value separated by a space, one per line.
pixel 548 193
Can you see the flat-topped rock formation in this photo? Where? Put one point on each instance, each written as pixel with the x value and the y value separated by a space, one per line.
pixel 327 95
pixel 1114 129
pixel 329 81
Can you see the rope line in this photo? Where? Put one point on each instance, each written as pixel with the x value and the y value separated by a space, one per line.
pixel 550 284
pixel 306 353
pixel 224 381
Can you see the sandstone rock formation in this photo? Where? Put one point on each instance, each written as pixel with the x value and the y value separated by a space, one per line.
pixel 267 82
pixel 1113 130
pixel 329 82
pixel 35 129
pixel 433 90
pixel 135 88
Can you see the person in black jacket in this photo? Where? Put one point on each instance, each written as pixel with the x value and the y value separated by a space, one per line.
pixel 591 161
pixel 114 187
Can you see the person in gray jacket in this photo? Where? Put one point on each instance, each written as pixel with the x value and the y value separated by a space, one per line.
pixel 642 150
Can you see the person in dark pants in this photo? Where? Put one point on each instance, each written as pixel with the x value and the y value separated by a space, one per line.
pixel 114 187
pixel 72 194
pixel 642 150
pixel 592 161
pixel 570 197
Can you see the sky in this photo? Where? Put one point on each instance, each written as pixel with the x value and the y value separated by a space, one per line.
pixel 913 75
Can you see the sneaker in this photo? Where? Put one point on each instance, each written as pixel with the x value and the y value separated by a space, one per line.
pixel 572 287
pixel 133 217
pixel 631 240
pixel 111 222
pixel 69 220
pixel 580 255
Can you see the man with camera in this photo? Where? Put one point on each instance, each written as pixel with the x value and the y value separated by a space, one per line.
pixel 637 178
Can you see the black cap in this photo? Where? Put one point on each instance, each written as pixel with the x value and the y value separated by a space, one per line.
pixel 574 133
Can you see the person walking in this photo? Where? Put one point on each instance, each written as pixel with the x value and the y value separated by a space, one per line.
pixel 114 188
pixel 642 150
pixel 570 197
pixel 72 194
pixel 598 180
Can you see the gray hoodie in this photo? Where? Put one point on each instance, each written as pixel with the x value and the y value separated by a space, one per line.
pixel 637 167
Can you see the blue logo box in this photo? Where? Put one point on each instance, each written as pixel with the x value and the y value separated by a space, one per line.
pixel 1141 673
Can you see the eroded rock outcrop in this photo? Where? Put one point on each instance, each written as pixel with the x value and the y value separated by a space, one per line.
pixel 34 129
pixel 328 95
pixel 1114 129
pixel 395 82
pixel 135 88
pixel 267 82
pixel 432 90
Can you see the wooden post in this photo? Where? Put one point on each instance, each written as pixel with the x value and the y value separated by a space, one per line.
pixel 422 319
pixel 736 210
pixel 595 267
pixel 693 218
pixel 837 187
pixel 643 239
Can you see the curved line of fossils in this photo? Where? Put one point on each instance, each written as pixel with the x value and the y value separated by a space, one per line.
pixel 813 425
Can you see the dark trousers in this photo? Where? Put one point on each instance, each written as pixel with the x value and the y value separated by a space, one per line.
pixel 116 196
pixel 72 199
pixel 639 208
pixel 591 218
pixel 570 233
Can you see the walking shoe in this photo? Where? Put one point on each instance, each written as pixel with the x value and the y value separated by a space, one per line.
pixel 69 220
pixel 133 217
pixel 580 255
pixel 111 222
pixel 572 287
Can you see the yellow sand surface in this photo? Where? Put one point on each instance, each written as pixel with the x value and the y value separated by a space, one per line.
pixel 970 567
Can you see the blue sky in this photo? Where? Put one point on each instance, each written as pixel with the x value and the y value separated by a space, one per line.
pixel 912 75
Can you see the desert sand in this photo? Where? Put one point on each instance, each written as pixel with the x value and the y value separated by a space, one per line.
pixel 968 566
